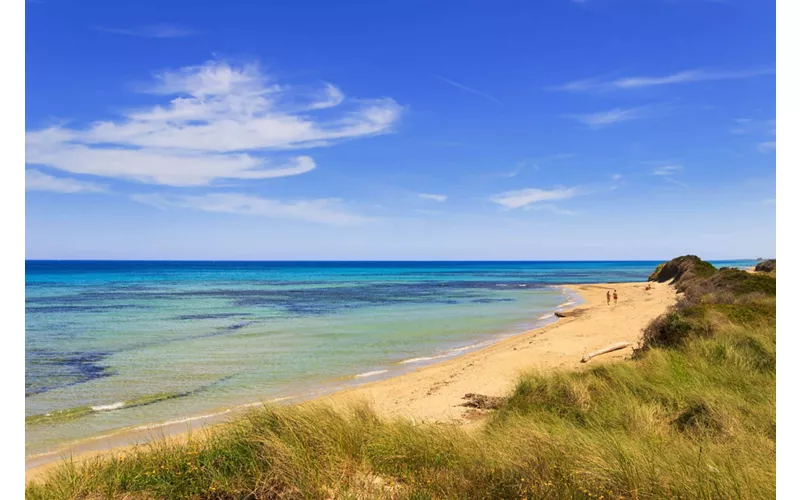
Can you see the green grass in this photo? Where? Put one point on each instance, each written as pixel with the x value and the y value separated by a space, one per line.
pixel 741 282
pixel 690 418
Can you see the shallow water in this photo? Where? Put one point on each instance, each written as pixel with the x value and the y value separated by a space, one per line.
pixel 111 345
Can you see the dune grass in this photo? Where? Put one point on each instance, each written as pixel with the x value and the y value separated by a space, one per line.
pixel 691 416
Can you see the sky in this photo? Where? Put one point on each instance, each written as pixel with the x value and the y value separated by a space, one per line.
pixel 400 130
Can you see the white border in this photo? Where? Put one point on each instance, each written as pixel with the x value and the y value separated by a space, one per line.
pixel 12 257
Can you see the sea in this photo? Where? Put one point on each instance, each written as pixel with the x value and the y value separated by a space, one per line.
pixel 119 345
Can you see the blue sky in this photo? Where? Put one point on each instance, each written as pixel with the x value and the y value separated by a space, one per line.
pixel 599 129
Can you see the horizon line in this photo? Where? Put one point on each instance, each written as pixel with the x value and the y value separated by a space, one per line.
pixel 376 260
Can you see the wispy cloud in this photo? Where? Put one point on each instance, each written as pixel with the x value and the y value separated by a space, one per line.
pixel 767 147
pixel 757 127
pixel 152 31
pixel 469 89
pixel 554 209
pixel 751 126
pixel 325 211
pixel 672 180
pixel 666 170
pixel 605 118
pixel 515 172
pixel 39 181
pixel 524 197
pixel 434 197
pixel 533 163
pixel 638 82
pixel 616 177
pixel 222 123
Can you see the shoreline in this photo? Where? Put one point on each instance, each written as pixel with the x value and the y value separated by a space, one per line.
pixel 433 392
pixel 121 437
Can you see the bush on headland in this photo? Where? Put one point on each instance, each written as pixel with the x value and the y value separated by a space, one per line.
pixel 727 292
pixel 682 270
pixel 767 266
pixel 691 416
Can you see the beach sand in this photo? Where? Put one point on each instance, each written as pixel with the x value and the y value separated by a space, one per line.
pixel 434 393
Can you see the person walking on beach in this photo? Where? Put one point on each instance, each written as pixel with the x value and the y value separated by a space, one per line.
pixel 615 297
pixel 608 297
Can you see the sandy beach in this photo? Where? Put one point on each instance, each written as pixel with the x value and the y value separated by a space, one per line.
pixel 435 393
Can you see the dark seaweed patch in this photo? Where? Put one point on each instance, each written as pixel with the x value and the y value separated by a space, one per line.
pixel 327 300
pixel 300 301
pixel 56 370
pixel 237 326
pixel 77 308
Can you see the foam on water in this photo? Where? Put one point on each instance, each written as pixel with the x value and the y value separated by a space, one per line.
pixel 370 374
pixel 112 406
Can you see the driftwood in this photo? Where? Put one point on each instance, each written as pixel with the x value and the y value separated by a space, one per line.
pixel 611 348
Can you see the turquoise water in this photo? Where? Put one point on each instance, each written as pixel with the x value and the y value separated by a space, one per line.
pixel 136 343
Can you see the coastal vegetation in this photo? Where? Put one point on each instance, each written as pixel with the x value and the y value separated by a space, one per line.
pixel 767 266
pixel 691 415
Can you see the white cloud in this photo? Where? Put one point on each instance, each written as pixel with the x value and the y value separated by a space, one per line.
pixel 152 31
pixel 39 181
pixel 604 118
pixel 616 177
pixel 435 197
pixel 325 211
pixel 469 89
pixel 524 197
pixel 225 122
pixel 637 82
pixel 767 147
pixel 331 97
pixel 667 170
